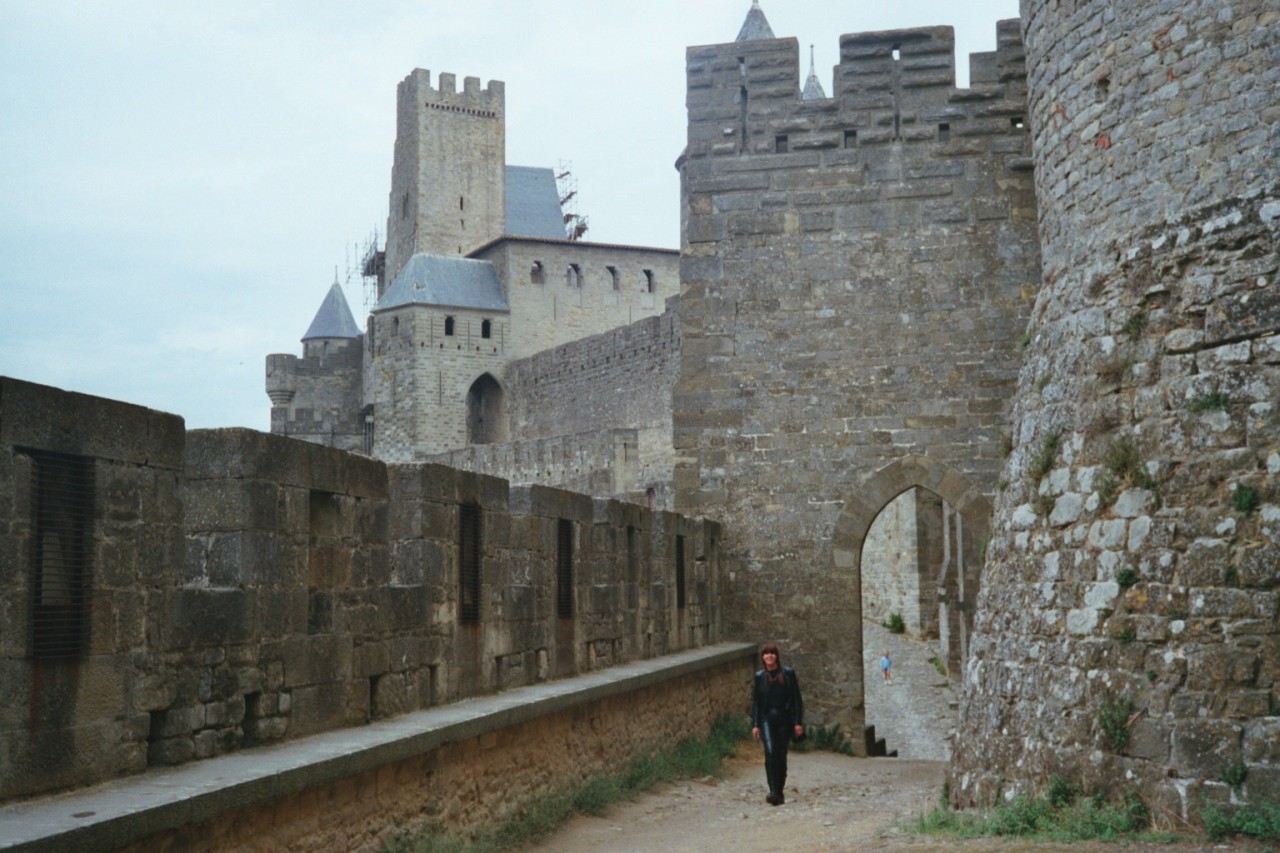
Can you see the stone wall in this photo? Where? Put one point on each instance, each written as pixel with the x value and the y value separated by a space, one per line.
pixel 82 547
pixel 857 276
pixel 245 588
pixel 610 287
pixel 448 168
pixel 317 398
pixel 621 378
pixel 417 378
pixel 891 581
pixel 478 782
pixel 602 462
pixel 1128 633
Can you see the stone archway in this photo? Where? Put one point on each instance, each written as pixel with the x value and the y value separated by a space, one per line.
pixel 486 412
pixel 956 592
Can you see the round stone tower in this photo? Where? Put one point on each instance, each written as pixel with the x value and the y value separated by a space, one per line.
pixel 1127 632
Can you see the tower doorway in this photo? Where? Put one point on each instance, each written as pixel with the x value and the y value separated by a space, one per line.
pixel 486 412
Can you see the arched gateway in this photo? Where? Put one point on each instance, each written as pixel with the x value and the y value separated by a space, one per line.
pixel 948 571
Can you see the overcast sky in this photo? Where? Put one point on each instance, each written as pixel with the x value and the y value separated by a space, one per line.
pixel 179 180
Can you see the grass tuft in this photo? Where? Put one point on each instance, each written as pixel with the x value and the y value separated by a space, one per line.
pixel 1061 814
pixel 1244 499
pixel 824 739
pixel 1042 462
pixel 1261 820
pixel 1213 401
pixel 1113 720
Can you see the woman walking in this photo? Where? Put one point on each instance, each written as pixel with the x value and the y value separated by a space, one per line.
pixel 777 715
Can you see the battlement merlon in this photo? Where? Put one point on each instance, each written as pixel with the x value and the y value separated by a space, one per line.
pixel 744 96
pixel 487 101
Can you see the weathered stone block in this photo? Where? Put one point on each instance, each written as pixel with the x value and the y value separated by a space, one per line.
pixel 1205 749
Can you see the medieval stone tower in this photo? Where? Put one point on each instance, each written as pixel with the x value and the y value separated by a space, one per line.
pixel 483 271
pixel 857 275
pixel 447 181
pixel 1127 630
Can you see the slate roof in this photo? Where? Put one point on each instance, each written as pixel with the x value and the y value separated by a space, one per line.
pixel 813 86
pixel 440 280
pixel 756 26
pixel 533 203
pixel 334 319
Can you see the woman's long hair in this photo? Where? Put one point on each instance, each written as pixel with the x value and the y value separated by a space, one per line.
pixel 777 676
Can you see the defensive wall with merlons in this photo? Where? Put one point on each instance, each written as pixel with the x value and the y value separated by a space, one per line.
pixel 173 595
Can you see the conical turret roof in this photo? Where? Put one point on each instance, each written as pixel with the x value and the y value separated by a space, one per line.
pixel 756 26
pixel 812 87
pixel 334 319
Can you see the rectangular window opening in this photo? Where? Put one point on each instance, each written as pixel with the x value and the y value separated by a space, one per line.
pixel 780 143
pixel 564 568
pixel 633 568
pixel 468 563
pixel 851 139
pixel 680 593
pixel 944 132
pixel 1017 123
pixel 62 488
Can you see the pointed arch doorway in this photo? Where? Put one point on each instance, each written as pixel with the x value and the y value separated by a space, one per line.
pixel 950 521
pixel 486 411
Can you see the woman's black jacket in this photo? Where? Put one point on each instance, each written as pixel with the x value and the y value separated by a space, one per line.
pixel 793 707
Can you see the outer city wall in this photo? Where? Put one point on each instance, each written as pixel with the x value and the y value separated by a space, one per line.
pixel 1127 636
pixel 223 588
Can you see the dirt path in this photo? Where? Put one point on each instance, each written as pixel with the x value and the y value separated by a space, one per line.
pixel 834 803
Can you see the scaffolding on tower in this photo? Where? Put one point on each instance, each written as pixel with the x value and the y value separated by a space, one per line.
pixel 366 262
pixel 575 224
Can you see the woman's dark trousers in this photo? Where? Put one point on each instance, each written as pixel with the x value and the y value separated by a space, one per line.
pixel 776 735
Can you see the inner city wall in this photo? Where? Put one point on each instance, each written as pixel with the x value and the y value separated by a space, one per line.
pixel 172 595
pixel 858 272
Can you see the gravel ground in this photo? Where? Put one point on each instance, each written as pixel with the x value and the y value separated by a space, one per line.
pixel 834 803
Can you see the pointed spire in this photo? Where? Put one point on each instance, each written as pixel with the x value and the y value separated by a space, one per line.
pixel 756 26
pixel 812 87
pixel 334 319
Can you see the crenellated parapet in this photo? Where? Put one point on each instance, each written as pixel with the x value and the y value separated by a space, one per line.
pixel 473 100
pixel 889 86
